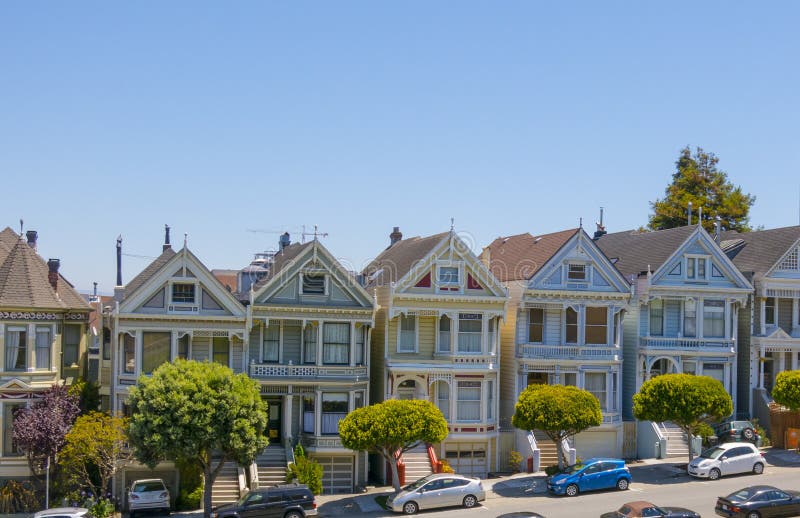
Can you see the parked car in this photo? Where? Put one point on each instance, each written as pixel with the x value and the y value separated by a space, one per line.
pixel 727 459
pixel 520 514
pixel 281 501
pixel 728 431
pixel 438 490
pixel 590 475
pixel 62 512
pixel 149 494
pixel 641 509
pixel 758 502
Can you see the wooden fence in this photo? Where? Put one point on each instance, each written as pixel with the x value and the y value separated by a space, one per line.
pixel 781 419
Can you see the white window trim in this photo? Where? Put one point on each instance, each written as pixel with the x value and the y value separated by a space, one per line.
pixel 325 284
pixel 450 264
pixel 438 333
pixel 280 341
pixel 544 325
pixel 484 332
pixel 52 329
pixel 183 281
pixel 587 268
pixel 774 312
pixel 580 335
pixel 400 332
pixel 694 258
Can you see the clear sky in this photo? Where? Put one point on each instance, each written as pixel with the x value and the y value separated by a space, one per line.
pixel 116 118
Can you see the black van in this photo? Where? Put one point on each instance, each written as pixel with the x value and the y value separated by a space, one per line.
pixel 282 501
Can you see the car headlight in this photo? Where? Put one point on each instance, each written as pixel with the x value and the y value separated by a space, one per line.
pixel 559 482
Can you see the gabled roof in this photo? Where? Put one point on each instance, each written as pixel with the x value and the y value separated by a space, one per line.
pixel 519 257
pixel 283 259
pixel 24 281
pixel 149 271
pixel 632 251
pixel 760 250
pixel 396 261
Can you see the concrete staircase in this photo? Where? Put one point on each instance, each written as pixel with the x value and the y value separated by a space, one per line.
pixel 226 486
pixel 417 462
pixel 677 444
pixel 547 449
pixel 271 465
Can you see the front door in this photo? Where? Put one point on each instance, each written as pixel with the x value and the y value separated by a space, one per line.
pixel 274 422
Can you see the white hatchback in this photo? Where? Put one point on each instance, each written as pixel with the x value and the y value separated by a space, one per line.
pixel 148 495
pixel 727 459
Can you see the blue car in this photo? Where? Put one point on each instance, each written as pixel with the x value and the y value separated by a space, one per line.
pixel 590 475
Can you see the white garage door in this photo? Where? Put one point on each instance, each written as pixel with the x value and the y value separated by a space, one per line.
pixel 596 444
pixel 337 474
pixel 467 459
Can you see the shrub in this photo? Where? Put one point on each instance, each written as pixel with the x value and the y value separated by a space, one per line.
pixel 514 461
pixel 189 499
pixel 306 471
pixel 102 508
pixel 763 433
pixel 446 467
pixel 551 470
pixel 17 497
pixel 705 431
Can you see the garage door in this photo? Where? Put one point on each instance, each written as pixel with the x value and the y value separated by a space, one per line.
pixel 337 474
pixel 467 459
pixel 596 444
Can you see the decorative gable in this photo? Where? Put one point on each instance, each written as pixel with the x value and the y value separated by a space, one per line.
pixel 790 262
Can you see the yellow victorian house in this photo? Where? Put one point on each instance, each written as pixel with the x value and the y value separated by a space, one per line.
pixel 436 338
pixel 43 323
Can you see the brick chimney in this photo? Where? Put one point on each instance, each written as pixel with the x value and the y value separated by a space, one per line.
pixel 52 273
pixel 395 236
pixel 166 244
pixel 32 236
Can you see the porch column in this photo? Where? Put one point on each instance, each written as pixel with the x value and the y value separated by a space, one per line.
pixel 484 334
pixel 762 308
pixel 318 412
pixel 319 342
pixel 286 418
pixel 352 344
pixel 760 367
pixel 781 365
pixel 30 347
pixel 727 319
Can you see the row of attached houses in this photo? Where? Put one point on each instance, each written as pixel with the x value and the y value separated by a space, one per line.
pixel 430 319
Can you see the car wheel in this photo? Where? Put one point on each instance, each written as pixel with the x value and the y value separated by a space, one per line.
pixel 753 514
pixel 622 484
pixel 714 474
pixel 132 514
pixel 572 490
pixel 470 501
pixel 758 468
pixel 410 508
pixel 293 514
pixel 748 434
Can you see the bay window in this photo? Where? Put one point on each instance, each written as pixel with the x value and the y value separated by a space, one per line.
pixel 308 413
pixel 595 383
pixel 221 350
pixel 9 413
pixel 769 311
pixel 443 398
pixel 16 348
pixel 183 347
pixel 155 350
pixel 571 326
pixel 44 342
pixel 468 406
pixel 336 343
pixel 408 334
pixel 334 409
pixel 489 399
pixel 272 343
pixel 361 340
pixel 70 346
pixel 444 334
pixel 656 318
pixel 469 332
pixel 310 344
pixel 596 327
pixel 128 354
pixel 690 318
pixel 714 318
pixel 536 325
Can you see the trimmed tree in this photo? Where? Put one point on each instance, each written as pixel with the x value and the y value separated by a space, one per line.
pixel 697 180
pixel 95 447
pixel 787 389
pixel 392 428
pixel 559 411
pixel 200 414
pixel 40 430
pixel 687 400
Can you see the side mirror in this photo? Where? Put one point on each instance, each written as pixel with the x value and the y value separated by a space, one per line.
pixel 724 457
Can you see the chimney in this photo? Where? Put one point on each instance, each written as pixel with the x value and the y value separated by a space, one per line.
pixel 166 244
pixel 689 215
pixel 119 261
pixel 284 241
pixel 395 236
pixel 601 229
pixel 32 236
pixel 717 229
pixel 700 215
pixel 52 272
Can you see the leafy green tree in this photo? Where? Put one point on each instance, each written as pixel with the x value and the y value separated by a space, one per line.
pixel 392 428
pixel 697 180
pixel 89 394
pixel 95 447
pixel 687 400
pixel 559 411
pixel 787 389
pixel 197 413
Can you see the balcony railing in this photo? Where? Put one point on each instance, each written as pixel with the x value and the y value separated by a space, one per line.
pixel 314 442
pixel 660 342
pixel 540 351
pixel 268 370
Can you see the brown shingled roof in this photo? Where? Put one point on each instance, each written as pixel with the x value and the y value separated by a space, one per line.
pixel 633 251
pixel 24 279
pixel 759 250
pixel 519 257
pixel 149 271
pixel 397 260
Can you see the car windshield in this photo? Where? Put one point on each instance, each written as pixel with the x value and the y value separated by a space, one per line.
pixel 569 470
pixel 152 485
pixel 712 453
pixel 416 485
pixel 742 495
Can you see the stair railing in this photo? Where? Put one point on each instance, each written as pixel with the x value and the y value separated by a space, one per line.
pixel 536 453
pixel 570 452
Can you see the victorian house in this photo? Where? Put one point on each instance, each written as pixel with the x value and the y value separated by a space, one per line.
pixel 174 308
pixel 436 338
pixel 769 340
pixel 43 335
pixel 684 314
pixel 309 324
pixel 564 326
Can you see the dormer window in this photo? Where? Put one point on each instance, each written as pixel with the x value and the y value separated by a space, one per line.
pixel 183 293
pixel 696 268
pixel 449 276
pixel 576 272
pixel 313 284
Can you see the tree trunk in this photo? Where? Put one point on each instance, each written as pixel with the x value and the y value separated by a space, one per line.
pixel 688 441
pixel 560 450
pixel 395 476
pixel 208 483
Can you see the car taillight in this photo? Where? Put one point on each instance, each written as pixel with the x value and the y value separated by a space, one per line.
pixel 736 509
pixel 313 505
pixel 762 453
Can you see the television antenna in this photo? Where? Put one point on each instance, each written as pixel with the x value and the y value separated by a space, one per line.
pixel 316 233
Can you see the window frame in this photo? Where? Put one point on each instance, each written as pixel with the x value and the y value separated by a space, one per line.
pixel 604 392
pixel 338 345
pixel 456 285
pixel 314 274
pixel 147 334
pixel 541 325
pixel 650 315
pixel 568 325
pixel 472 385
pixel 415 346
pixel 469 317
pixel 588 326
pixel 40 329
pixel 323 413
pixel 697 267
pixel 277 326
pixel 22 348
pixel 182 299
pixel 719 318
pixel 575 268
pixel 773 308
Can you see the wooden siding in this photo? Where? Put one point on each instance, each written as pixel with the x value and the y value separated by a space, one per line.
pixel 672 317
pixel 632 320
pixel 744 378
pixel 427 337
pixel 291 341
pixel 785 314
pixel 201 348
pixel 508 354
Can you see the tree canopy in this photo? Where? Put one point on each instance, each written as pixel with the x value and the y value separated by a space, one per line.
pixel 187 411
pixel 559 411
pixel 697 180
pixel 393 427
pixel 687 400
pixel 787 389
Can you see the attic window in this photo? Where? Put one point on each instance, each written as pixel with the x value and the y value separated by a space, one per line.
pixel 448 275
pixel 576 272
pixel 313 284
pixel 183 293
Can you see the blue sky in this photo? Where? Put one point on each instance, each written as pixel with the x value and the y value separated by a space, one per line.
pixel 360 116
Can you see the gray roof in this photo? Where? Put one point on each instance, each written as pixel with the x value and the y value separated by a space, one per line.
pixel 633 251
pixel 396 261
pixel 759 250
pixel 282 260
pixel 149 271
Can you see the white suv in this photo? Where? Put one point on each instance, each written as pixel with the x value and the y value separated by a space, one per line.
pixel 726 459
pixel 148 495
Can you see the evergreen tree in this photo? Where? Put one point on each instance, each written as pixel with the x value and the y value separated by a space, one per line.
pixel 697 180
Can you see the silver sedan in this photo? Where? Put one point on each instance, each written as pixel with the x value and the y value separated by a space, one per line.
pixel 438 490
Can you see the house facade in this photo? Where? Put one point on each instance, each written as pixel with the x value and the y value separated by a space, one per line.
pixel 43 336
pixel 565 327
pixel 309 324
pixel 436 337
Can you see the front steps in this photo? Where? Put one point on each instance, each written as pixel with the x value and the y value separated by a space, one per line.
pixel 418 463
pixel 677 443
pixel 226 486
pixel 548 452
pixel 271 465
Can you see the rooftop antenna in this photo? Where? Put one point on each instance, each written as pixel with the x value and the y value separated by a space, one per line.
pixel 580 222
pixel 185 239
pixel 316 233
pixel 21 225
pixel 452 224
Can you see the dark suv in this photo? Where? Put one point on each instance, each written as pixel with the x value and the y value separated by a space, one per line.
pixel 283 501
pixel 737 431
